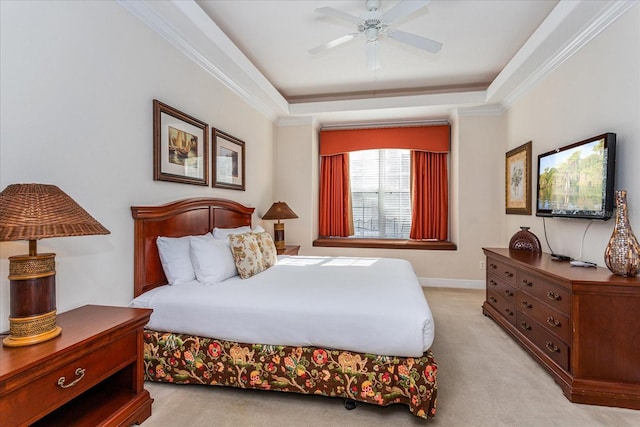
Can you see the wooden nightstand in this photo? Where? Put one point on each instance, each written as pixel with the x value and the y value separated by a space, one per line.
pixel 92 374
pixel 289 250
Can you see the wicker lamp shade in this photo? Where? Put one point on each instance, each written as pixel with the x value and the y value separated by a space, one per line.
pixel 32 212
pixel 279 210
pixel 38 211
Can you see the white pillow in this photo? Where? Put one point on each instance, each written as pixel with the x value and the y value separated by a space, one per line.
pixel 176 259
pixel 224 233
pixel 258 229
pixel 212 259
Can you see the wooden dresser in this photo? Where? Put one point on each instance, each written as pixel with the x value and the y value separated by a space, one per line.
pixel 581 324
pixel 90 375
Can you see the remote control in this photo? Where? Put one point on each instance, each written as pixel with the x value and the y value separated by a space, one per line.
pixel 582 264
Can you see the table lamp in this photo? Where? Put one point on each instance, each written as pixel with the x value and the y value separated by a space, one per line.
pixel 32 212
pixel 279 210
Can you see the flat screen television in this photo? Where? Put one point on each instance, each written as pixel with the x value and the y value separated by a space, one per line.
pixel 577 181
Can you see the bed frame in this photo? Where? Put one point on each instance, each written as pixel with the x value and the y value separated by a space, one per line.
pixel 183 359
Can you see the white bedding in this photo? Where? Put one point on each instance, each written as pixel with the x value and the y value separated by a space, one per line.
pixel 367 305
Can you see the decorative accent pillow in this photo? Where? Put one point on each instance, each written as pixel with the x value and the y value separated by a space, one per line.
pixel 212 259
pixel 224 233
pixel 246 254
pixel 267 248
pixel 175 259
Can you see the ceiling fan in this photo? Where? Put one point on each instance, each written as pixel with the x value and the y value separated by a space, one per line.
pixel 374 24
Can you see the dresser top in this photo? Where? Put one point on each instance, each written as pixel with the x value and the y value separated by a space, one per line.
pixel 542 263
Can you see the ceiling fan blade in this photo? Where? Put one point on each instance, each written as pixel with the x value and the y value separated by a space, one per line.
pixel 333 43
pixel 416 41
pixel 402 9
pixel 329 11
pixel 373 55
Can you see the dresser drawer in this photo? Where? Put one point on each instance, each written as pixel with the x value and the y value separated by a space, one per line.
pixel 502 288
pixel 501 270
pixel 59 386
pixel 555 322
pixel 541 338
pixel 554 296
pixel 505 308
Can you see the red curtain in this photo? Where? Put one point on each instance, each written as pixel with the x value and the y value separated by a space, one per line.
pixel 430 196
pixel 336 217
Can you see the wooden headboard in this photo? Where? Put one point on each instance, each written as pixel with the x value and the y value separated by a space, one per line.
pixel 181 218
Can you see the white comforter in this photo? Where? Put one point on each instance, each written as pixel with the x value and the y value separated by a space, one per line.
pixel 367 305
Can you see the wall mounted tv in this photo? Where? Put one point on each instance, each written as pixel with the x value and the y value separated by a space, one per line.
pixel 577 181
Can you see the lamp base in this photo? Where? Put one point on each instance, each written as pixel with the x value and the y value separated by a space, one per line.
pixel 32 330
pixel 278 235
pixel 32 300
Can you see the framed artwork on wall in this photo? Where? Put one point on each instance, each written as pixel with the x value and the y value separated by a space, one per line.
pixel 180 146
pixel 228 161
pixel 518 180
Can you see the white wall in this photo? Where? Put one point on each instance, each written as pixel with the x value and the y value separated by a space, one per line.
pixel 77 84
pixel 595 91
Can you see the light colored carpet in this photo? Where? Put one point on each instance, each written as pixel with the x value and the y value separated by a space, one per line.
pixel 484 379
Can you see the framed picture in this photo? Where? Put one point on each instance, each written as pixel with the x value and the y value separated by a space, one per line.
pixel 180 146
pixel 228 161
pixel 518 180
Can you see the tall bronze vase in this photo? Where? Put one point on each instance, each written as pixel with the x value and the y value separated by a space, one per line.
pixel 622 255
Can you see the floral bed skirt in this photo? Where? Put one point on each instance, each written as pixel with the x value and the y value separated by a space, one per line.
pixel 380 380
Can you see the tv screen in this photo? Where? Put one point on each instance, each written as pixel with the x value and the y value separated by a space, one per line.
pixel 577 181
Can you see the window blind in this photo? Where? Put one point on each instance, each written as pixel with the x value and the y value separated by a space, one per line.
pixel 381 193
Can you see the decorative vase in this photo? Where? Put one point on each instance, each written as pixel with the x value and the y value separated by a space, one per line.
pixel 524 240
pixel 622 255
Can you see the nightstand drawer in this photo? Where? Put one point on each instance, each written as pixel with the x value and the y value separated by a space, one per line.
pixel 59 386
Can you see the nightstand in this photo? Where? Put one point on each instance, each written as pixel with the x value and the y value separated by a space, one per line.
pixel 92 374
pixel 289 250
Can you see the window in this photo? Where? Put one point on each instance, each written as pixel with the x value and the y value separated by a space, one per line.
pixel 380 193
pixel 384 187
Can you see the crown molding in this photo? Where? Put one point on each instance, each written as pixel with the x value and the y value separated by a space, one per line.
pixel 482 110
pixel 187 27
pixel 569 26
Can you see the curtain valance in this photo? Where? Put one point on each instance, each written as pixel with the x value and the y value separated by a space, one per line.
pixel 434 139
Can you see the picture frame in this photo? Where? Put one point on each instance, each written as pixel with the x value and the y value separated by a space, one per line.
pixel 518 180
pixel 228 161
pixel 180 146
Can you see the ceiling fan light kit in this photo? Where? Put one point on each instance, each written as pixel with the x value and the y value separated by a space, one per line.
pixel 373 24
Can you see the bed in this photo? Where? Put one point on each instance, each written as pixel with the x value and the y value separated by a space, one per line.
pixel 241 345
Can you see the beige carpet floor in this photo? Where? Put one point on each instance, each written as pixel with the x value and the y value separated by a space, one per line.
pixel 484 379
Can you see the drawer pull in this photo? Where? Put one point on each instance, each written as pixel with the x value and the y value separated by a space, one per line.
pixel 493 266
pixel 553 296
pixel 509 312
pixel 492 283
pixel 79 374
pixel 551 347
pixel 493 300
pixel 508 274
pixel 526 304
pixel 527 283
pixel 508 293
pixel 525 326
pixel 553 322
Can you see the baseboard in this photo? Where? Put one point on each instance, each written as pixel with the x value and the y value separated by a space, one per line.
pixel 430 282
